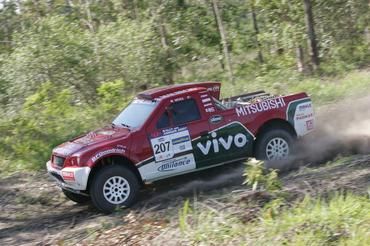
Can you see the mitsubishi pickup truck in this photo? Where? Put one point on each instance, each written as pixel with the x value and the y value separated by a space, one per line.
pixel 174 130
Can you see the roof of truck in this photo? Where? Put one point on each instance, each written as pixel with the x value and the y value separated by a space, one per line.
pixel 154 93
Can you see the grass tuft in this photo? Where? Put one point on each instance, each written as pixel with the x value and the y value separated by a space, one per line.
pixel 340 219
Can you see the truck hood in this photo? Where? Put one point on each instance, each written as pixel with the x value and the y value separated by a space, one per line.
pixel 89 139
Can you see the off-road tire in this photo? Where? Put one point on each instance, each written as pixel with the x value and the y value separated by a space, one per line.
pixel 269 135
pixel 77 198
pixel 103 179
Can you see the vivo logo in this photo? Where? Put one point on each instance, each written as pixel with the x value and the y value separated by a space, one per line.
pixel 239 140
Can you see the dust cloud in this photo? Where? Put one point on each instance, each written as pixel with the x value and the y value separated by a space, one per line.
pixel 341 128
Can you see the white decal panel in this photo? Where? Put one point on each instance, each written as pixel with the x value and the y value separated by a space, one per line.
pixel 155 170
pixel 172 150
pixel 303 118
pixel 171 142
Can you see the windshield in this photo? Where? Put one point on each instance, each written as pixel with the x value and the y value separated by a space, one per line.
pixel 135 114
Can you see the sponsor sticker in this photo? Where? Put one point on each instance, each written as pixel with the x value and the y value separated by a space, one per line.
pixel 303 107
pixel 155 170
pixel 303 116
pixel 180 140
pixel 215 144
pixel 215 119
pixel 206 100
pixel 177 99
pixel 260 107
pixel 309 125
pixel 300 114
pixel 70 176
pixel 214 88
pixel 210 110
pixel 175 93
pixel 174 164
pixel 142 101
pixel 107 152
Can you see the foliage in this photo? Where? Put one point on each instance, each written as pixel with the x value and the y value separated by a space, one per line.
pixel 52 50
pixel 259 178
pixel 183 215
pixel 111 98
pixel 49 117
pixel 126 50
pixel 341 219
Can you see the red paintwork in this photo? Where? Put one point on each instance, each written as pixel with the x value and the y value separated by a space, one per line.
pixel 135 146
pixel 157 92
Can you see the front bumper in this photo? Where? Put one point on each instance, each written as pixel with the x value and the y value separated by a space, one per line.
pixel 74 178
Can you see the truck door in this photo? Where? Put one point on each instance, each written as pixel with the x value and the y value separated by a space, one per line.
pixel 229 139
pixel 171 136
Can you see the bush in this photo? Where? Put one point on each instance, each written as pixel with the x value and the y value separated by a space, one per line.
pixel 50 117
pixel 259 178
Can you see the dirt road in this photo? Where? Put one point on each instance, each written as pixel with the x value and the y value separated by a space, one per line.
pixel 34 211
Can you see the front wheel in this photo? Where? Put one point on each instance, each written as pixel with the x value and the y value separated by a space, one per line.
pixel 274 144
pixel 113 187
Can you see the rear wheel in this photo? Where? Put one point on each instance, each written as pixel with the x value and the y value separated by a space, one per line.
pixel 77 198
pixel 274 144
pixel 113 187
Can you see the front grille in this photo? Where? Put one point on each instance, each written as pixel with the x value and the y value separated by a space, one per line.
pixel 58 161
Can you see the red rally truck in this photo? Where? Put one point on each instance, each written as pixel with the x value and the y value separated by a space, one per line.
pixel 175 130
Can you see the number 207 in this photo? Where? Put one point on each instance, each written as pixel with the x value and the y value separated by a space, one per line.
pixel 161 147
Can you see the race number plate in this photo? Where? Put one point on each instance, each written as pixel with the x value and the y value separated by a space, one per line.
pixel 171 142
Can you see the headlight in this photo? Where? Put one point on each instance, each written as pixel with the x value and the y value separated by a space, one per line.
pixel 72 161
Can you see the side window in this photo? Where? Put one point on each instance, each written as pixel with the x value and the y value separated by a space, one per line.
pixel 185 111
pixel 164 121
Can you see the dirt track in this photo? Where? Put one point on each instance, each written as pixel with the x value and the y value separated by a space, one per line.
pixel 33 210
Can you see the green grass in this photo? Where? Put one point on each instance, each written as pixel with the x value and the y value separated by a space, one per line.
pixel 342 219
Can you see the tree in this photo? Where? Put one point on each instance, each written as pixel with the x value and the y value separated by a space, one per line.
pixel 256 31
pixel 314 51
pixel 224 42
pixel 8 24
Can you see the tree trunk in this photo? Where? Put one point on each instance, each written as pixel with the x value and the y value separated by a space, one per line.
pixel 168 78
pixel 314 53
pixel 256 31
pixel 89 21
pixel 300 59
pixel 222 33
pixel 367 34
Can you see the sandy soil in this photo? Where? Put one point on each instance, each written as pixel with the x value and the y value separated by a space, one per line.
pixel 35 212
